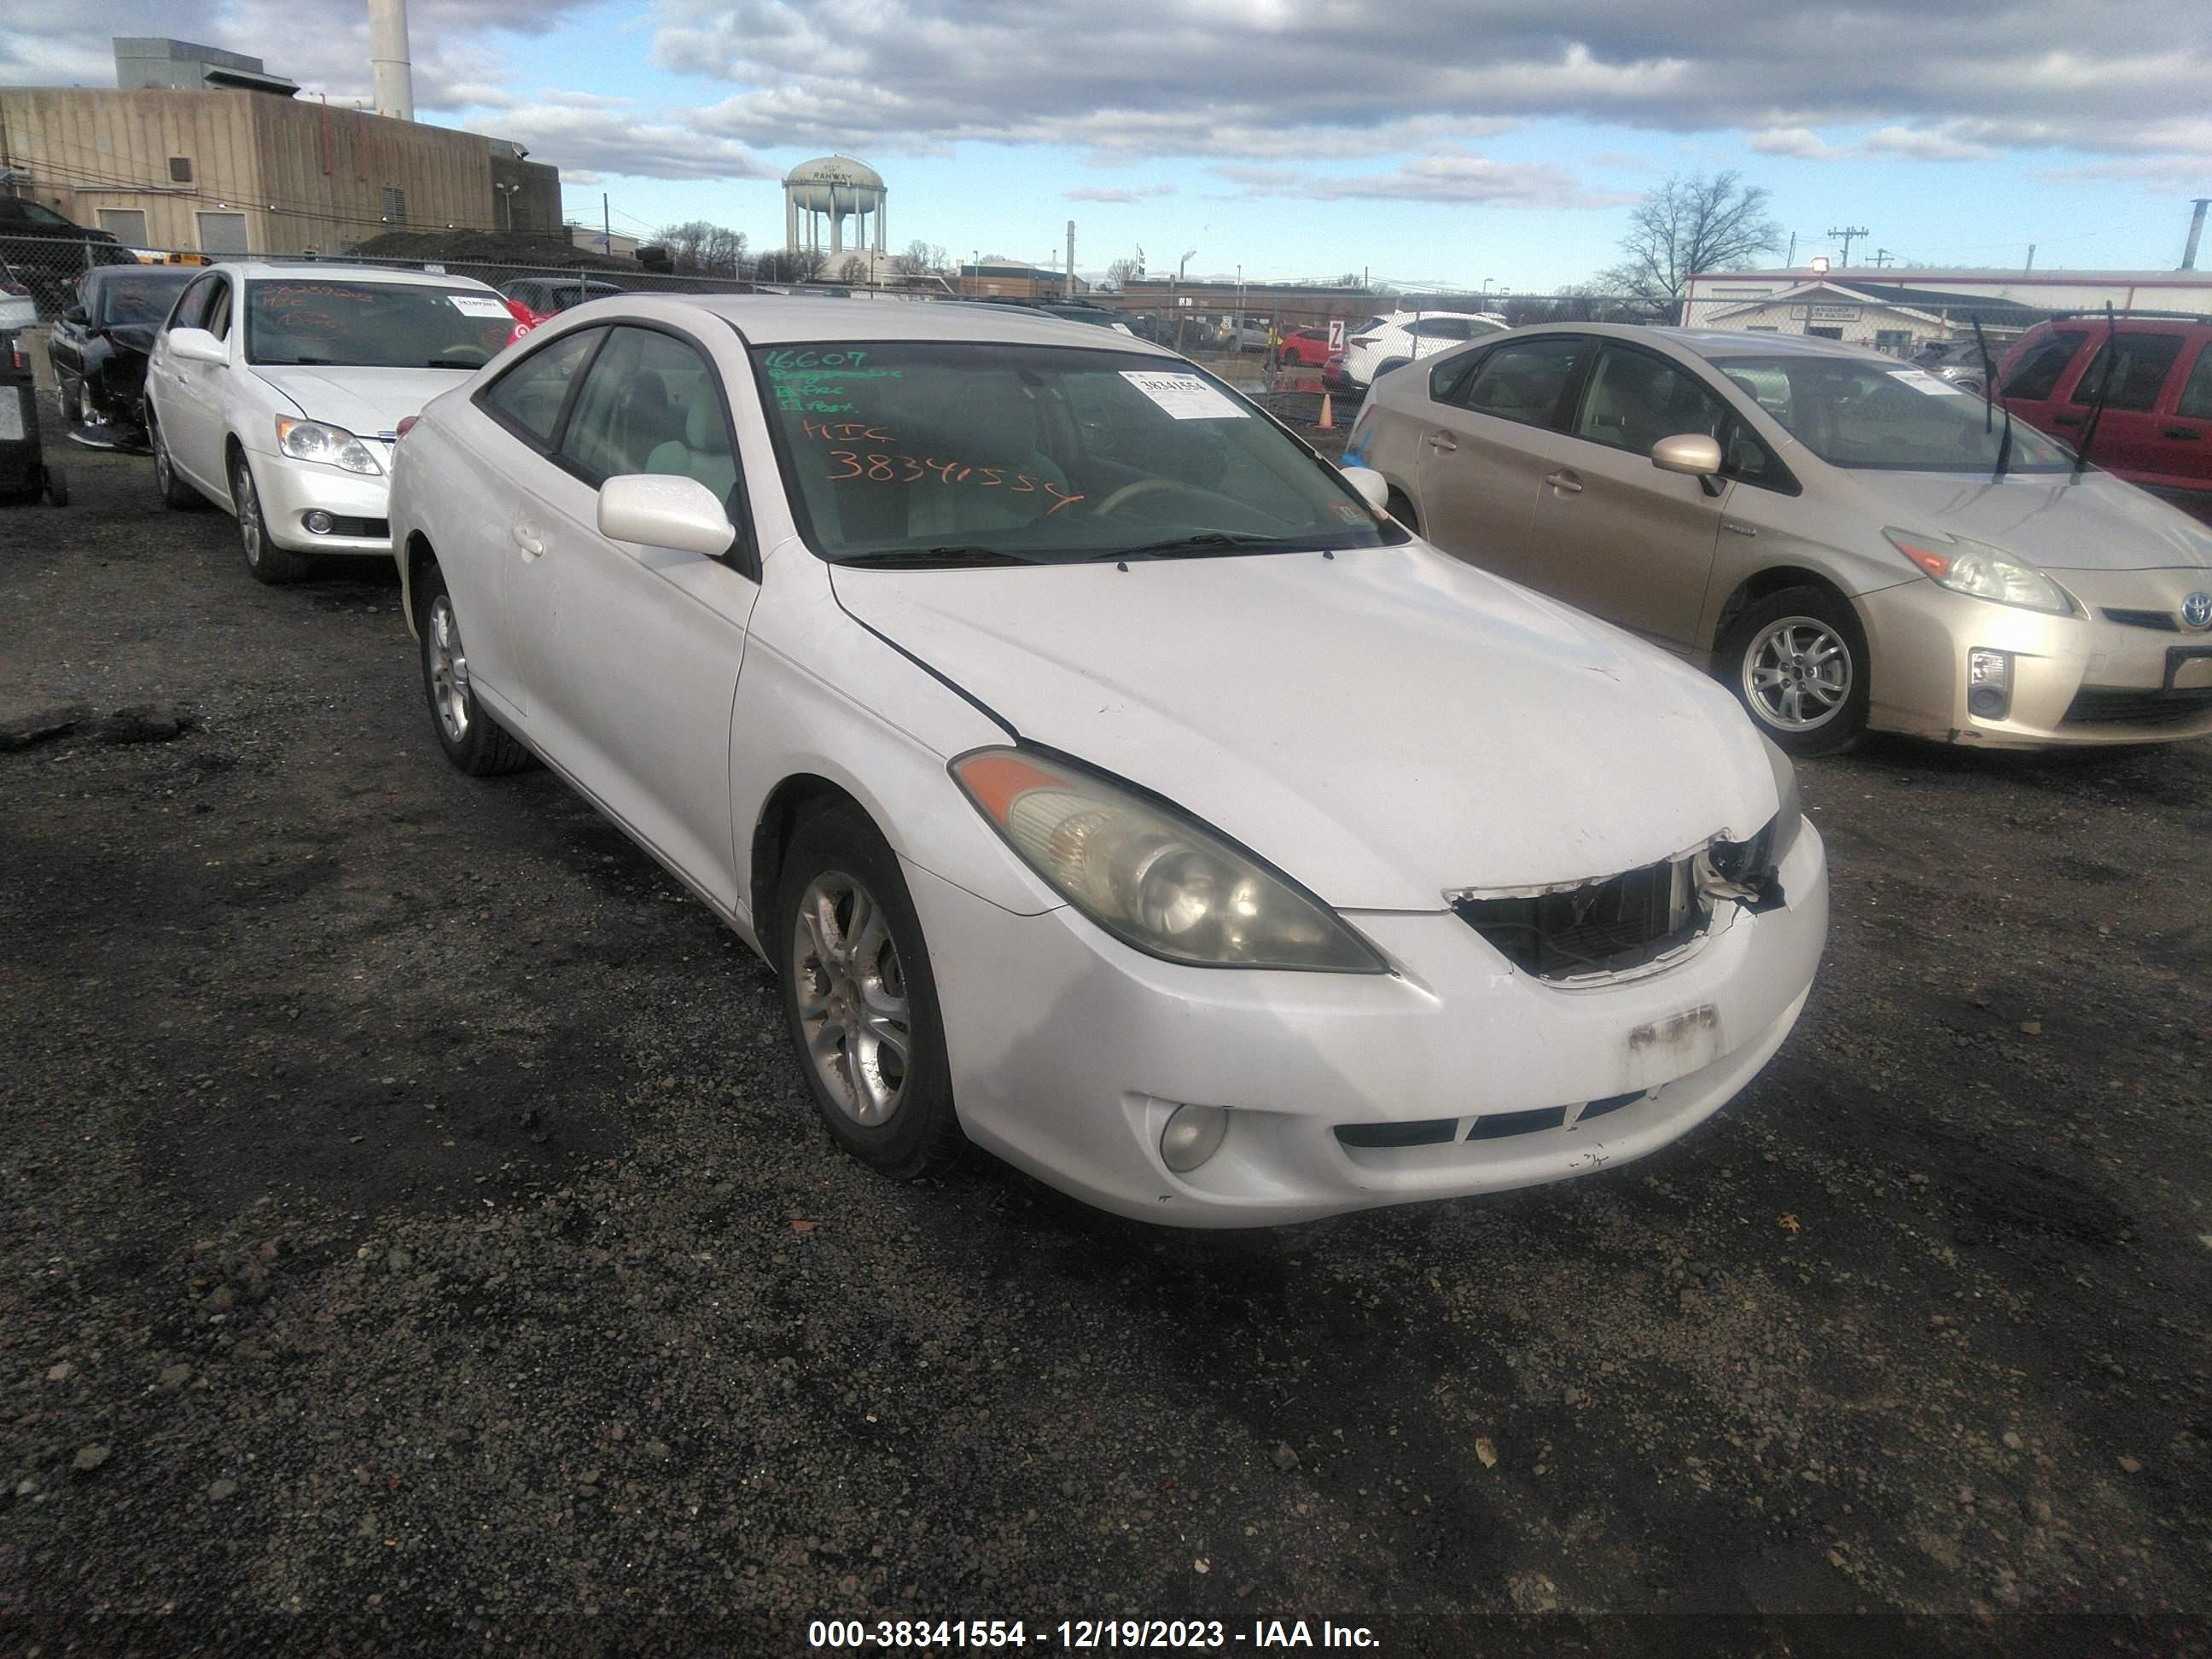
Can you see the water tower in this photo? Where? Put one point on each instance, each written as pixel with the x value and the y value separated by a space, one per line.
pixel 835 188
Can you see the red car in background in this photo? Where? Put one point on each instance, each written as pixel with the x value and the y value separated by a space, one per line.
pixel 1306 347
pixel 2156 428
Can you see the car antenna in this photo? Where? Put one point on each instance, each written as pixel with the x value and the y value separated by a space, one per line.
pixel 1991 388
pixel 2097 403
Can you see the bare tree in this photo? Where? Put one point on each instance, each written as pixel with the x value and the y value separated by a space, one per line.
pixel 791 265
pixel 1119 274
pixel 855 270
pixel 1689 225
pixel 919 259
pixel 697 248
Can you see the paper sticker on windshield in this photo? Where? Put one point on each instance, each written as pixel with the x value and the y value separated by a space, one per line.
pixel 481 305
pixel 1926 384
pixel 1185 396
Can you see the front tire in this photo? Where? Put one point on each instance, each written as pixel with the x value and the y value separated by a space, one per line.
pixel 269 563
pixel 859 999
pixel 474 742
pixel 1796 660
pixel 175 492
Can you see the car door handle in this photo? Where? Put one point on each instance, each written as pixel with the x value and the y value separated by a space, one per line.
pixel 1443 443
pixel 1565 482
pixel 526 539
pixel 2183 434
pixel 1740 529
pixel 2065 420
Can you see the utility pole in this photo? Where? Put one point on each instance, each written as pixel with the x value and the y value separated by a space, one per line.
pixel 1882 256
pixel 2195 232
pixel 606 225
pixel 1070 258
pixel 1849 233
pixel 2031 256
pixel 1790 259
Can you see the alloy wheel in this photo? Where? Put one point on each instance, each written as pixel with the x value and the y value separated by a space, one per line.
pixel 852 994
pixel 449 671
pixel 1797 674
pixel 248 500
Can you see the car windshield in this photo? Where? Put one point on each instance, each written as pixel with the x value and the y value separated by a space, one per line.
pixel 363 325
pixel 147 299
pixel 953 452
pixel 1886 416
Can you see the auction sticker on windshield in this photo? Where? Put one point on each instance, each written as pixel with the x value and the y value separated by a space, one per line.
pixel 479 305
pixel 1185 396
pixel 1926 384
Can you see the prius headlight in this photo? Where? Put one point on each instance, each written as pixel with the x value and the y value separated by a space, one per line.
pixel 1986 572
pixel 333 446
pixel 1150 876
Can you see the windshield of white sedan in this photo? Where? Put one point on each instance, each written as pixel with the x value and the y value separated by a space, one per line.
pixel 1890 418
pixel 372 324
pixel 952 452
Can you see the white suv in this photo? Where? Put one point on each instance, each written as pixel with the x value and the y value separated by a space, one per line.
pixel 1392 341
pixel 277 392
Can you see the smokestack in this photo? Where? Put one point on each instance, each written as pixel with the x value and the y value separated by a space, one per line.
pixel 2196 230
pixel 393 75
pixel 1070 257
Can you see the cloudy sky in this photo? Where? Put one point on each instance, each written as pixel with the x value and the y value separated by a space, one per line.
pixel 1427 142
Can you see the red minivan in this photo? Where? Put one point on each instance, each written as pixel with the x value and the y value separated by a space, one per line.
pixel 2156 430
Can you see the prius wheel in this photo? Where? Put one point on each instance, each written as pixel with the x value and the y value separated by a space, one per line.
pixel 859 999
pixel 175 492
pixel 473 740
pixel 1797 662
pixel 269 562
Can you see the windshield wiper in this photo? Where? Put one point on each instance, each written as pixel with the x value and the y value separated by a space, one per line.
pixel 295 362
pixel 933 557
pixel 1991 388
pixel 1205 543
pixel 2097 403
pixel 451 362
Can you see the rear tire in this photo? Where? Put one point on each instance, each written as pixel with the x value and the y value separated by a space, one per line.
pixel 1796 660
pixel 278 567
pixel 859 1001
pixel 473 741
pixel 175 492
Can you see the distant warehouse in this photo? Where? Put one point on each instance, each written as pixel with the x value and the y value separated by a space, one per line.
pixel 204 151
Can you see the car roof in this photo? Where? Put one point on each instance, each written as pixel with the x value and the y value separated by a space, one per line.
pixel 793 320
pixel 264 271
pixel 1471 316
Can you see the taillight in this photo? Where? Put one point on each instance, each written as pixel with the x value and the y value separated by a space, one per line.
pixel 406 425
pixel 1360 340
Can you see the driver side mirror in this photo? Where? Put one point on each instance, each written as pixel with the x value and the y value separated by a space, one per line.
pixel 1692 454
pixel 1374 489
pixel 197 345
pixel 661 510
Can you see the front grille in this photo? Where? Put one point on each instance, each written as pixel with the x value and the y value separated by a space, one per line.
pixel 2161 620
pixel 1603 927
pixel 1495 1125
pixel 2092 705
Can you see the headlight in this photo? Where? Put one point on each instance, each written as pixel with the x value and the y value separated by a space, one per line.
pixel 1790 815
pixel 1986 572
pixel 333 446
pixel 1149 875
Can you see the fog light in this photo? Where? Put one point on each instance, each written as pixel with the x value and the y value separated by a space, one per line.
pixel 318 522
pixel 1989 684
pixel 1194 1135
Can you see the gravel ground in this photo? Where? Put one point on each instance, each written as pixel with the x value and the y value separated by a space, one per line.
pixel 413 1233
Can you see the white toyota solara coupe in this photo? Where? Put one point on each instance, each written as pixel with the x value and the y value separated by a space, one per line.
pixel 1109 780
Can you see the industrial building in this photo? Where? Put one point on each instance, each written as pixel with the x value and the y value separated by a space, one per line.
pixel 1891 309
pixel 204 151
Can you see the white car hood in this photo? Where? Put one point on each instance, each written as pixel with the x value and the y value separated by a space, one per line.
pixel 2047 518
pixel 366 402
pixel 1386 725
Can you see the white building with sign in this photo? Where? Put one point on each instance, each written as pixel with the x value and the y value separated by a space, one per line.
pixel 1891 317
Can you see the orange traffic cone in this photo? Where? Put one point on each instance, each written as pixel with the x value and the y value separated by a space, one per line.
pixel 1328 421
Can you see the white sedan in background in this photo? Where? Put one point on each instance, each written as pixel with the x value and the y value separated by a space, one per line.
pixel 1106 779
pixel 274 390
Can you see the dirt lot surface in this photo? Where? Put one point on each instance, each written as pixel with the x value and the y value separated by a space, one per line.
pixel 414 1236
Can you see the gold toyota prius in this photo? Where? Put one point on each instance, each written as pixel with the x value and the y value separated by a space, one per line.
pixel 1849 543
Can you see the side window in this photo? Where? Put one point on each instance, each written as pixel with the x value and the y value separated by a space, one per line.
pixel 1449 379
pixel 2196 394
pixel 2139 362
pixel 1634 400
pixel 218 311
pixel 2035 376
pixel 1522 382
pixel 528 398
pixel 651 402
pixel 192 304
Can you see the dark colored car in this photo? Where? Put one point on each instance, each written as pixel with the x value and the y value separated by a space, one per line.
pixel 100 346
pixel 549 296
pixel 50 251
pixel 2154 374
